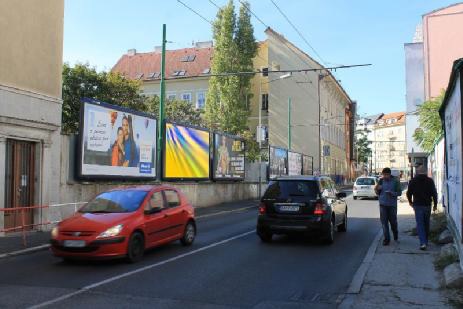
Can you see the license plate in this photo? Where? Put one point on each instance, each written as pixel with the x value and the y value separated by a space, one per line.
pixel 74 243
pixel 289 208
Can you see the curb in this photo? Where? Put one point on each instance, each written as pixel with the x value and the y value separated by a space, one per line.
pixel 25 251
pixel 357 281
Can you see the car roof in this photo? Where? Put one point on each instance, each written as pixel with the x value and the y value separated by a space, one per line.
pixel 146 188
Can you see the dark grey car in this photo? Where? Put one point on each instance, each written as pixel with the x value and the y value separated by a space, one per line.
pixel 309 205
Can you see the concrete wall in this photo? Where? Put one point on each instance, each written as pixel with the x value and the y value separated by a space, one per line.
pixel 414 79
pixel 32 45
pixel 442 32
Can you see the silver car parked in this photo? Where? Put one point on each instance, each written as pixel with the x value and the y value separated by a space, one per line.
pixel 365 187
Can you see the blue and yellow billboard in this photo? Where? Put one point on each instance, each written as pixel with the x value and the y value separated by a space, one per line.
pixel 186 153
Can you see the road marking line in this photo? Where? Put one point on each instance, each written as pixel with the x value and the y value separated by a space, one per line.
pixel 19 252
pixel 224 211
pixel 97 284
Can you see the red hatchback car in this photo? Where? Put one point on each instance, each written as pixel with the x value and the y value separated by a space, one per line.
pixel 124 223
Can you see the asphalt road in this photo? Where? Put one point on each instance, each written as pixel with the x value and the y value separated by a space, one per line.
pixel 227 267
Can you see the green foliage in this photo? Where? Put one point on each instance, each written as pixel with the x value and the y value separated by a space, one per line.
pixel 430 123
pixel 363 149
pixel 175 110
pixel 234 50
pixel 84 81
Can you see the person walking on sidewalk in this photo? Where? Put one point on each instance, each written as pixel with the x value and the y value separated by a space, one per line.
pixel 421 190
pixel 388 189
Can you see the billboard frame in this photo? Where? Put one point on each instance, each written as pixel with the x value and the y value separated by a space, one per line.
pixel 269 151
pixel 163 162
pixel 80 148
pixel 236 137
pixel 302 161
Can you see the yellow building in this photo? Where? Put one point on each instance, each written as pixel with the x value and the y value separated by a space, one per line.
pixel 30 104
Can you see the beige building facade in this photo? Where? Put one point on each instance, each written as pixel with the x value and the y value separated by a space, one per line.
pixel 389 144
pixel 30 105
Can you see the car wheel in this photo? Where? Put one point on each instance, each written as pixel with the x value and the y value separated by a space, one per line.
pixel 265 236
pixel 355 197
pixel 343 226
pixel 329 239
pixel 136 247
pixel 189 234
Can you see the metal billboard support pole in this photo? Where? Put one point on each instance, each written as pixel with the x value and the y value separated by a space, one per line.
pixel 161 104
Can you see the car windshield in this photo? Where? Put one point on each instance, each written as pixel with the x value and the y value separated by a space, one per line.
pixel 365 182
pixel 115 201
pixel 286 189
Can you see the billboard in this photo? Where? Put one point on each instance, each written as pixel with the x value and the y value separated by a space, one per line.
pixel 228 162
pixel 278 162
pixel 186 153
pixel 116 143
pixel 294 163
pixel 307 165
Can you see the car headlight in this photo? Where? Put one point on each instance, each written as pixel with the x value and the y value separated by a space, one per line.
pixel 55 232
pixel 111 232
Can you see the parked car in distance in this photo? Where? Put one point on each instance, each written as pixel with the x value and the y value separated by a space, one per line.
pixel 308 205
pixel 125 222
pixel 365 187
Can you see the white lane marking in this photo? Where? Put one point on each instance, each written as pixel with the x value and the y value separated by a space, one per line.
pixel 97 284
pixel 224 212
pixel 24 251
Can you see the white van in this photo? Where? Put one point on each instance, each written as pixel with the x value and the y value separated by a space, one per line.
pixel 365 187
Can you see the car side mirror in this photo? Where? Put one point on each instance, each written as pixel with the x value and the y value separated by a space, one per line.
pixel 153 211
pixel 341 195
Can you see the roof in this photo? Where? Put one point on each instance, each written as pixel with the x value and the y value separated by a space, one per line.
pixel 372 118
pixel 147 66
pixel 284 40
pixel 400 116
pixel 299 177
pixel 456 69
pixel 442 8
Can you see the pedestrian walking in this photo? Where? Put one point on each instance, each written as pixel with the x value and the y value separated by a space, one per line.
pixel 421 190
pixel 388 189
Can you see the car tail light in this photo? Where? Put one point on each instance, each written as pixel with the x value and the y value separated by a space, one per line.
pixel 320 209
pixel 262 208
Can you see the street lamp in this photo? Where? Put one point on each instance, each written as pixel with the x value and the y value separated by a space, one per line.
pixel 259 131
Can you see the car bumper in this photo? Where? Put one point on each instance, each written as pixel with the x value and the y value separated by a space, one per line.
pixel 100 248
pixel 360 193
pixel 287 226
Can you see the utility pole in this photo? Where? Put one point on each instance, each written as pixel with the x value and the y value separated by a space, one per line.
pixel 289 123
pixel 161 104
pixel 319 77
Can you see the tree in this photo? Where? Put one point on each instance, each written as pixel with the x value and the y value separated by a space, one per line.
pixel 176 110
pixel 430 129
pixel 363 149
pixel 84 81
pixel 234 49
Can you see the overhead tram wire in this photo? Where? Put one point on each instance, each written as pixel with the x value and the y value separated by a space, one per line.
pixel 253 14
pixel 214 4
pixel 201 16
pixel 298 32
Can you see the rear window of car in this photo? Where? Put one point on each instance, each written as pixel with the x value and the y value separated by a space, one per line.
pixel 290 188
pixel 115 201
pixel 365 182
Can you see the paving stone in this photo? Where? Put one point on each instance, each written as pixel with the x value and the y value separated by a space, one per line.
pixel 453 276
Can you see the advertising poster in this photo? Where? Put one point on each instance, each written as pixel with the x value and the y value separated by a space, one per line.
pixel 307 165
pixel 116 142
pixel 186 153
pixel 228 157
pixel 278 163
pixel 294 163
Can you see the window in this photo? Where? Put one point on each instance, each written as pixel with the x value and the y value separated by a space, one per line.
pixel 200 100
pixel 206 71
pixel 171 97
pixel 153 75
pixel 264 102
pixel 284 189
pixel 264 71
pixel 188 58
pixel 179 73
pixel 172 198
pixel 156 201
pixel 139 76
pixel 186 97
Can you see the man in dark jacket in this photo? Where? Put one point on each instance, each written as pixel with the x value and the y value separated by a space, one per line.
pixel 421 190
pixel 388 189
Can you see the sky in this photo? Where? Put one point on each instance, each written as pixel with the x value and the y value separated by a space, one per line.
pixel 342 32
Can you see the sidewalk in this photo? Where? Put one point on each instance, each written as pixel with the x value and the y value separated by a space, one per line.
pixel 400 275
pixel 13 243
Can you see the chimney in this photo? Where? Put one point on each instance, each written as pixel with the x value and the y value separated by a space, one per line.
pixel 205 44
pixel 157 49
pixel 131 52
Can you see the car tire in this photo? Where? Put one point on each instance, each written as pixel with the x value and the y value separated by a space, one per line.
pixel 265 237
pixel 343 226
pixel 355 197
pixel 189 234
pixel 329 234
pixel 136 248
